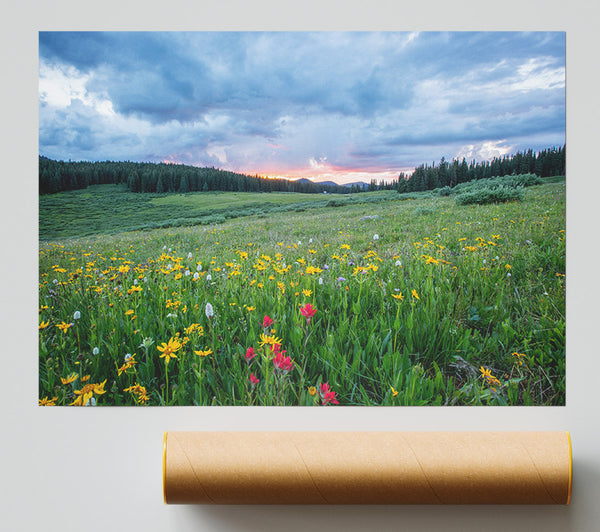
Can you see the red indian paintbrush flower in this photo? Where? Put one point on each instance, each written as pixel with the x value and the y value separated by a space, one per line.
pixel 253 380
pixel 282 364
pixel 308 311
pixel 327 395
pixel 267 322
pixel 250 354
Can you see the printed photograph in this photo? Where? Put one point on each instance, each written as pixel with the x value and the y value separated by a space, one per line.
pixel 302 218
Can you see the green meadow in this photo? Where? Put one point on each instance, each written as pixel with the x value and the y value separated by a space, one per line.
pixel 301 299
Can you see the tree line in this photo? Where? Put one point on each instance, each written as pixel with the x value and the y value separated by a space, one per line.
pixel 58 176
pixel 545 163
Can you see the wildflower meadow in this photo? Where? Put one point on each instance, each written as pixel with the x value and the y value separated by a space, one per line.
pixel 408 302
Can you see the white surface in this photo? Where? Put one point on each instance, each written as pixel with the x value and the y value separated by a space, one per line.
pixel 100 469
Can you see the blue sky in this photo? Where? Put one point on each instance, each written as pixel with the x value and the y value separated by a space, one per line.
pixel 342 106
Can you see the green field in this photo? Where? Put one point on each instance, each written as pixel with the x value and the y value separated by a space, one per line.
pixel 418 301
pixel 111 208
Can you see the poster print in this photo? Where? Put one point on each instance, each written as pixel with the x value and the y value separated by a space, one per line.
pixel 292 218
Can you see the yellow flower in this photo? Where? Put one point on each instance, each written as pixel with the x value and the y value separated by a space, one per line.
pixel 204 353
pixel 128 312
pixel 129 363
pixel 518 357
pixel 485 372
pixel 168 350
pixel 139 391
pixel 415 295
pixel 64 327
pixel 269 340
pixel 398 296
pixel 87 392
pixel 394 392
pixel 194 327
pixel 43 325
pixel 307 293
pixel 312 390
pixel 250 309
pixel 48 402
pixel 71 378
pixel 508 266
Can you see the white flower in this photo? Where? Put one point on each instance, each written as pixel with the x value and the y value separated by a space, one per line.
pixel 171 315
pixel 209 311
pixel 135 282
pixel 91 402
pixel 95 351
pixel 77 315
pixel 55 281
pixel 127 357
pixel 398 263
pixel 320 280
pixel 375 236
pixel 164 247
pixel 508 274
pixel 209 277
pixel 187 272
pixel 189 255
pixel 145 279
pixel 484 261
pixel 199 267
pixel 196 276
pixel 310 240
pixel 169 266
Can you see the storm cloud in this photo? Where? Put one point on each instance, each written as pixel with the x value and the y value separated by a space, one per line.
pixel 327 105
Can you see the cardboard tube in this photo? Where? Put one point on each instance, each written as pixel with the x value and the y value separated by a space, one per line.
pixel 367 467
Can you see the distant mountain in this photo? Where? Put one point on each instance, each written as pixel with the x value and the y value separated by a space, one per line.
pixel 358 183
pixel 332 183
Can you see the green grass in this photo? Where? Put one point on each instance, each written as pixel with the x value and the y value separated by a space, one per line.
pixel 102 209
pixel 489 281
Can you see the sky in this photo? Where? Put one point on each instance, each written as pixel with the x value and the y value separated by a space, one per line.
pixel 335 106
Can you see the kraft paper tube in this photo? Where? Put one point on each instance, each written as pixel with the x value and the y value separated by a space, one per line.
pixel 367 467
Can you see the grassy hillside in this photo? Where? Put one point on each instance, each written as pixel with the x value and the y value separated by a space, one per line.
pixel 417 301
pixel 111 208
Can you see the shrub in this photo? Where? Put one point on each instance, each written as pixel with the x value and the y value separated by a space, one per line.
pixel 445 191
pixel 483 196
